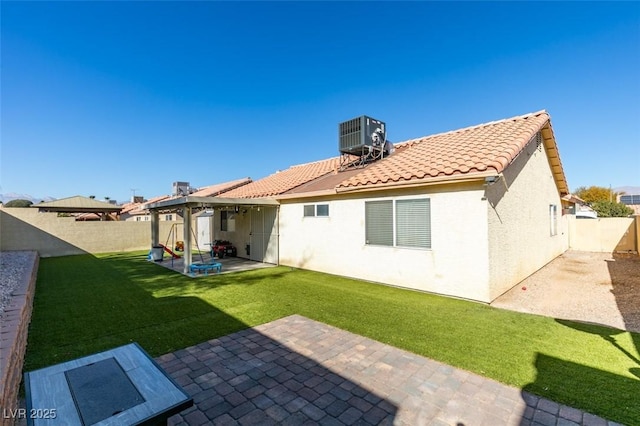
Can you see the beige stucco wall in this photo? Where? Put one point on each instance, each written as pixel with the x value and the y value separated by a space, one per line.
pixel 456 264
pixel 608 235
pixel 520 240
pixel 50 235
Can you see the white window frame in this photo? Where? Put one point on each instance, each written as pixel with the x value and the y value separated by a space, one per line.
pixel 315 206
pixel 228 224
pixel 395 228
pixel 553 219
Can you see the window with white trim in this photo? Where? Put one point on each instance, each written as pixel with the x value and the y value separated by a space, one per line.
pixel 553 219
pixel 316 210
pixel 398 223
pixel 227 221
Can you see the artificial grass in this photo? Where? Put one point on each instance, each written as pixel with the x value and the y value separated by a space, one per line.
pixel 85 304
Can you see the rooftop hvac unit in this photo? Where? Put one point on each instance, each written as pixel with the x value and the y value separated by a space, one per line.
pixel 181 189
pixel 362 135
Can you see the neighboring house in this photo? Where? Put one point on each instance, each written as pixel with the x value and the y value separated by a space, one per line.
pixel 632 201
pixel 83 208
pixel 467 213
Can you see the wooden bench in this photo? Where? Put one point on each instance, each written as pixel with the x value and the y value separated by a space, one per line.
pixel 205 267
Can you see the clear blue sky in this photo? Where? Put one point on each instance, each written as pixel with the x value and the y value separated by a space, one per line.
pixel 99 98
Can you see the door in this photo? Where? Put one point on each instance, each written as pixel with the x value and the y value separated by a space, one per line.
pixel 264 235
pixel 204 231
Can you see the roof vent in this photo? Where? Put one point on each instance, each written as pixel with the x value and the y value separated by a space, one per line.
pixel 362 137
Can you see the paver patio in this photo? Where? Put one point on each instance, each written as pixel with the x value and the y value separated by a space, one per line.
pixel 298 371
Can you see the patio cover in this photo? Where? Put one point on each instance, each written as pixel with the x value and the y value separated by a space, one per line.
pixel 186 204
pixel 193 201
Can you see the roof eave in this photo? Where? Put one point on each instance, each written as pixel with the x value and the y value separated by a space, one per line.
pixel 438 180
pixel 191 201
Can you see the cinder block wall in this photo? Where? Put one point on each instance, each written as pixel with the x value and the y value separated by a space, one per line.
pixel 607 234
pixel 13 340
pixel 50 235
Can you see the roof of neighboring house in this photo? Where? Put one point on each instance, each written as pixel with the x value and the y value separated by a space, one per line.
pixel 472 152
pixel 77 204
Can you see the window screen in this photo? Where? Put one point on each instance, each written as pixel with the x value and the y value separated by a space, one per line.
pixel 309 210
pixel 379 222
pixel 322 210
pixel 413 223
pixel 553 218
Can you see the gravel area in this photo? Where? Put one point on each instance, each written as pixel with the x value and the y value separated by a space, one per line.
pixel 13 266
pixel 591 287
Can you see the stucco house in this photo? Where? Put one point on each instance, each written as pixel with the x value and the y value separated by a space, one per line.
pixel 467 213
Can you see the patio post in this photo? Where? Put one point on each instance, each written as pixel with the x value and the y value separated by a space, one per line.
pixel 186 217
pixel 155 228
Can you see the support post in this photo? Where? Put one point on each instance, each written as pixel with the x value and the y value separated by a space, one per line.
pixel 186 216
pixel 155 228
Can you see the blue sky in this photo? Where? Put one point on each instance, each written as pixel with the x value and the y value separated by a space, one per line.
pixel 102 98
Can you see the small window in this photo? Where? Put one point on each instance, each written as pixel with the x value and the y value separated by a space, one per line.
pixel 168 217
pixel 138 219
pixel 322 210
pixel 227 221
pixel 553 219
pixel 319 210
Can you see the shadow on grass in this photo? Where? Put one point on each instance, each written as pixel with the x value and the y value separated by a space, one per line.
pixel 624 270
pixel 555 376
pixel 607 333
pixel 135 268
pixel 84 305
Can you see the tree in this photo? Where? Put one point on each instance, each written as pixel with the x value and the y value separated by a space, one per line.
pixel 18 203
pixel 611 209
pixel 593 194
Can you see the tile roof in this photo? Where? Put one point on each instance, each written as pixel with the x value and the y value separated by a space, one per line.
pixel 282 181
pixel 484 148
pixel 207 191
pixel 220 188
pixel 474 151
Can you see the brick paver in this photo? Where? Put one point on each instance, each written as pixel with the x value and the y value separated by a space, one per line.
pixel 296 371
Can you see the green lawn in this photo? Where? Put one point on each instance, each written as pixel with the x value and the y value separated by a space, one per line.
pixel 86 304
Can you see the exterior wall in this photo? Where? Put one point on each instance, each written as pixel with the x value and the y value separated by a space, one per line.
pixel 456 265
pixel 520 240
pixel 241 236
pixel 608 234
pixel 50 236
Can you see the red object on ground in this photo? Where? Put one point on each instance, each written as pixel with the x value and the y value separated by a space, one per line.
pixel 524 287
pixel 168 250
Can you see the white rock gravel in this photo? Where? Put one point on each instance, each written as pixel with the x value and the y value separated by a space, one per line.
pixel 13 266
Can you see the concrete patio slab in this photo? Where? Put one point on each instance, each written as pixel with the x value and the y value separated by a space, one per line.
pixel 297 371
pixel 229 264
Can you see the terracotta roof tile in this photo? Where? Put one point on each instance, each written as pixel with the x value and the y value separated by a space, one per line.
pixel 283 181
pixel 474 149
pixel 489 147
pixel 220 188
